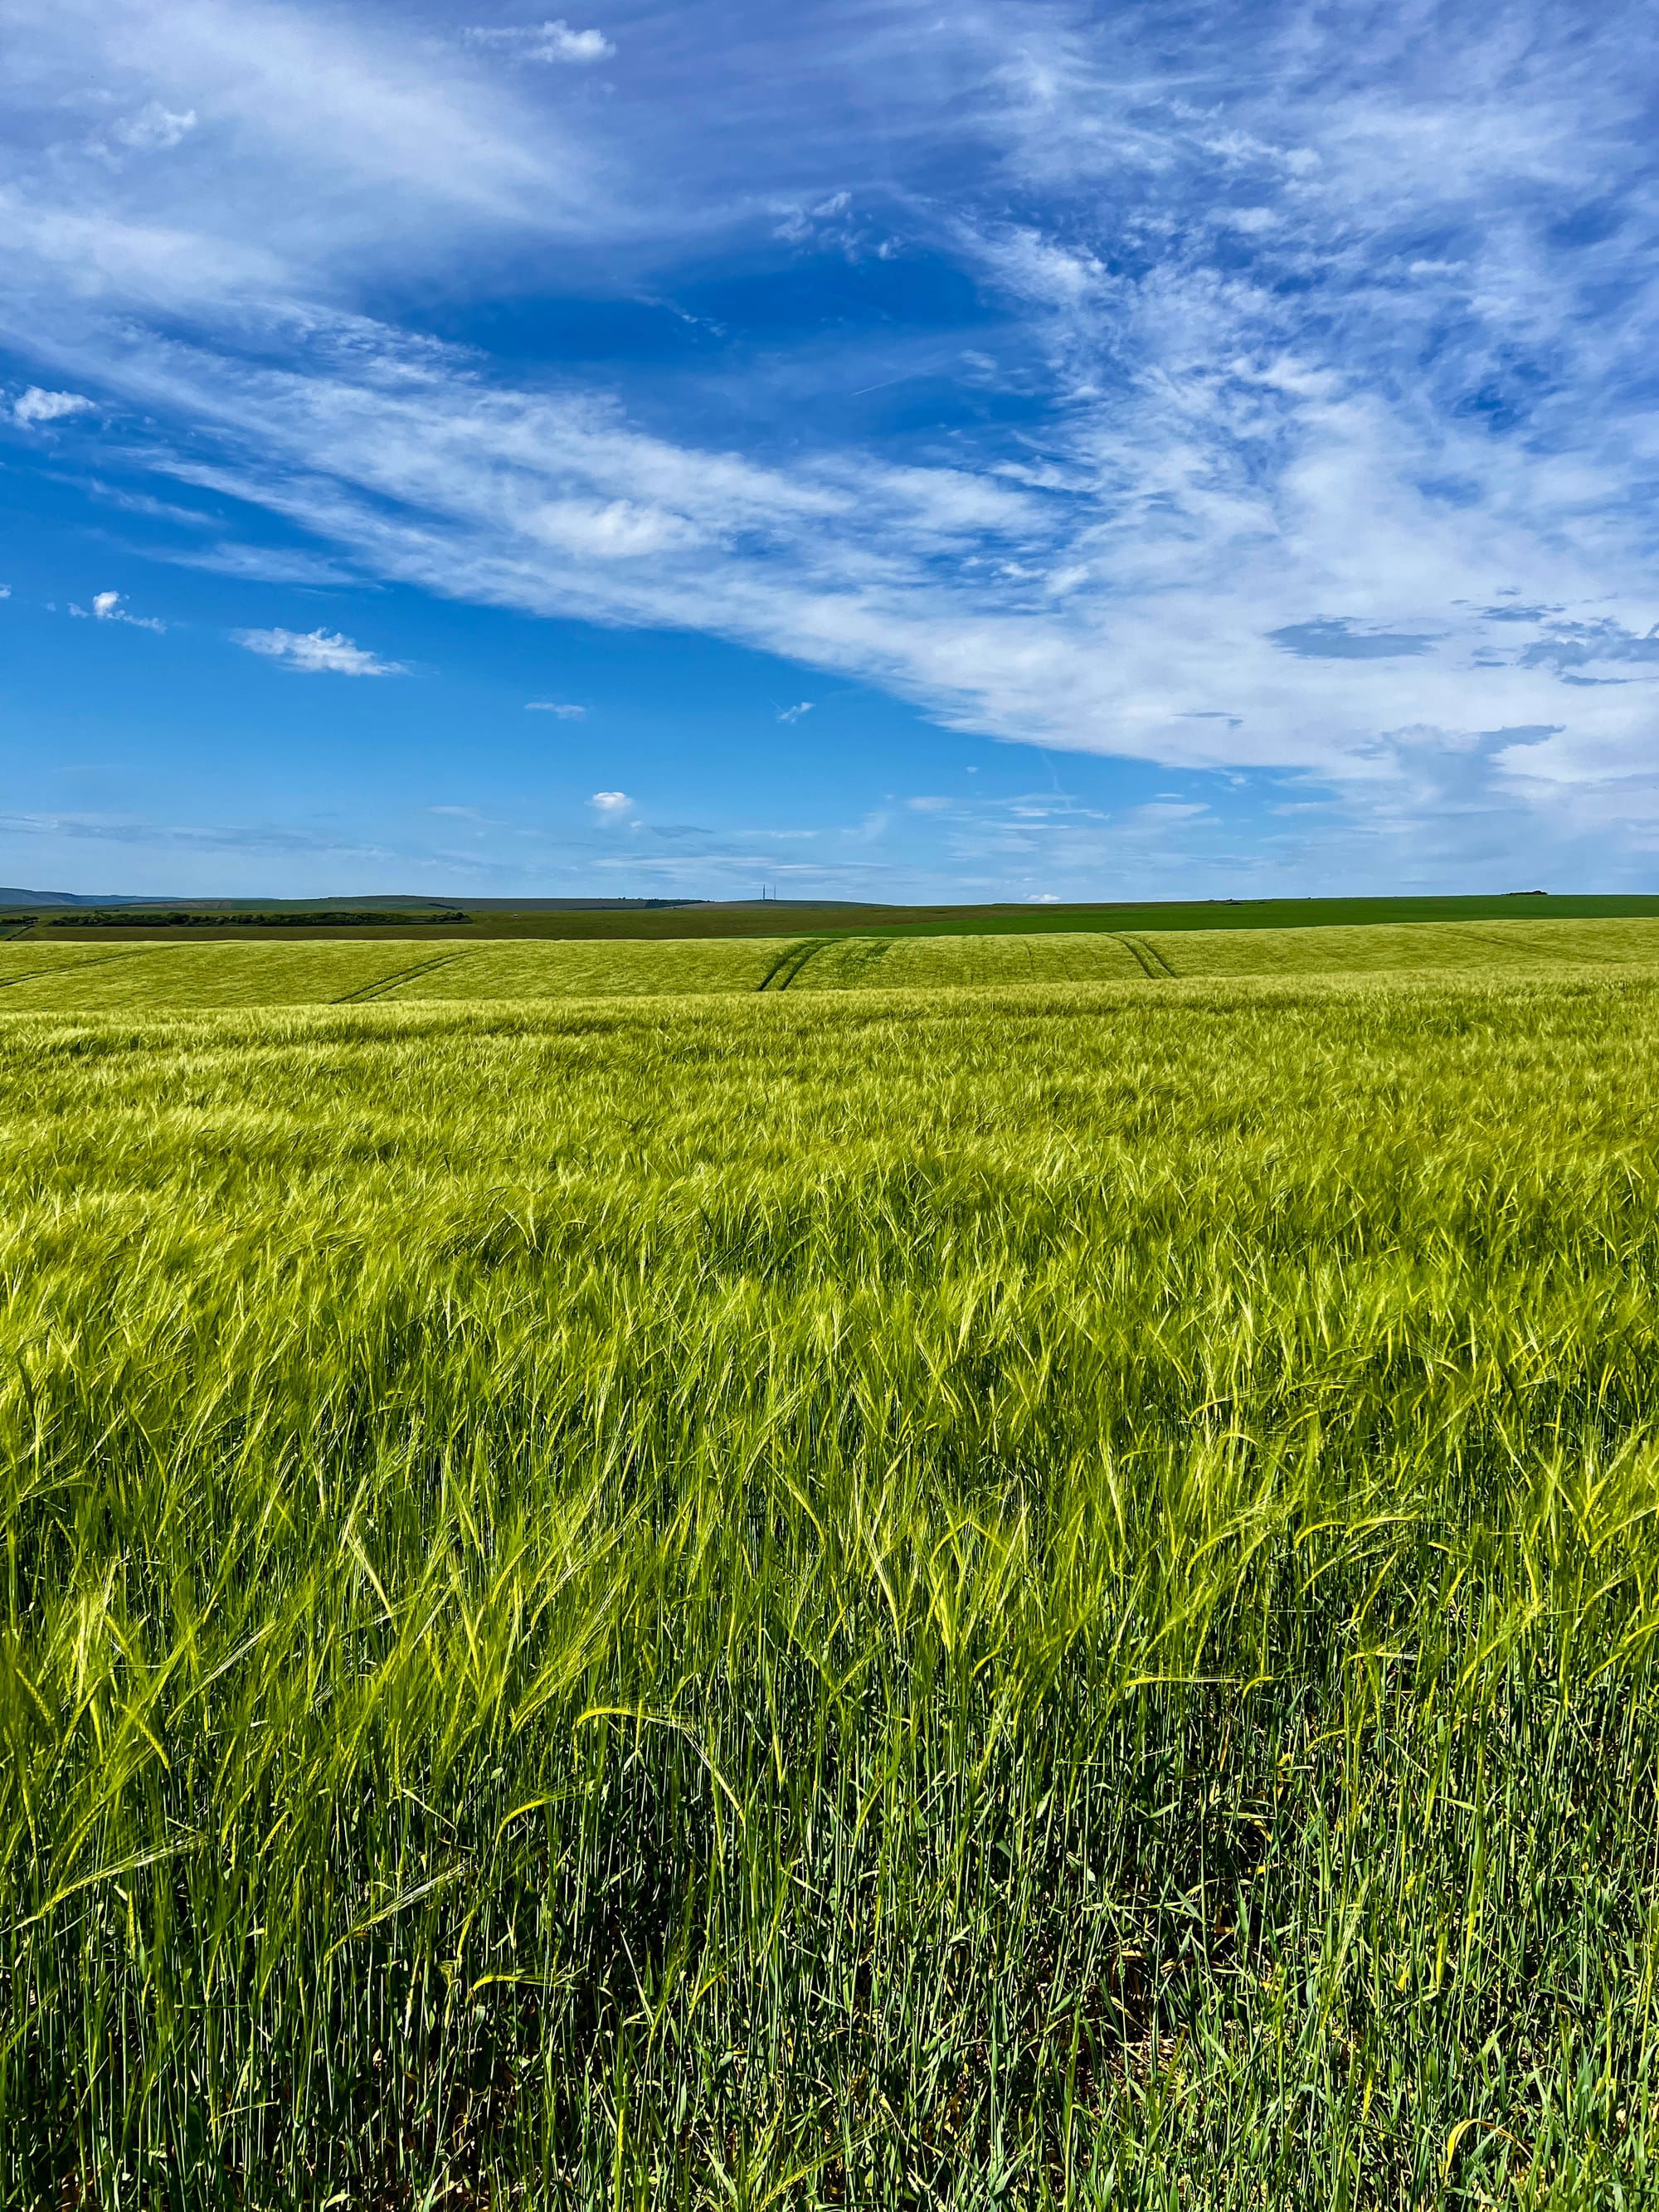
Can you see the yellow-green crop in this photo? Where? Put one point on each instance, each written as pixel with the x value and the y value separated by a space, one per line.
pixel 1034 1597
pixel 163 976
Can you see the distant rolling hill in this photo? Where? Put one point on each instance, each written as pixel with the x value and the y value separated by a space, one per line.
pixel 393 902
pixel 69 898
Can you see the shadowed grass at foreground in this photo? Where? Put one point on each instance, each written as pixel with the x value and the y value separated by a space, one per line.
pixel 1031 1599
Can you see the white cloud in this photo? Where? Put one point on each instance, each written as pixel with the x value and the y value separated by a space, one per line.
pixel 565 710
pixel 316 653
pixel 1158 815
pixel 337 146
pixel 542 42
pixel 35 406
pixel 5 590
pixel 263 564
pixel 612 529
pixel 269 841
pixel 155 129
pixel 610 805
pixel 928 805
pixel 794 713
pixel 107 607
pixel 1038 269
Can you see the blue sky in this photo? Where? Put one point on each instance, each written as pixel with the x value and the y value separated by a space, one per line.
pixel 1023 450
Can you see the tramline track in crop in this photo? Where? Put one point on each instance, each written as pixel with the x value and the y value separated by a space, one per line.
pixel 1152 964
pixel 96 960
pixel 789 963
pixel 382 984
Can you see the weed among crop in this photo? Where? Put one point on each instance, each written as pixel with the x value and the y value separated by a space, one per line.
pixel 1034 1597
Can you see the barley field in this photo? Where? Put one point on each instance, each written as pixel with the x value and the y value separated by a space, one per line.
pixel 1034 1595
pixel 163 976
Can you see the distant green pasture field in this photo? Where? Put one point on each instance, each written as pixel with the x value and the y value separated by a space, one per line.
pixel 170 974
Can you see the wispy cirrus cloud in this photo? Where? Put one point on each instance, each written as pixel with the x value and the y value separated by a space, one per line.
pixel 187 837
pixel 1035 617
pixel 265 564
pixel 300 143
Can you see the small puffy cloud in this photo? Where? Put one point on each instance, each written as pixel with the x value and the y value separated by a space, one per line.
pixel 928 805
pixel 107 607
pixel 5 590
pixel 36 406
pixel 1254 221
pixel 541 42
pixel 155 129
pixel 316 653
pixel 1044 898
pixel 610 805
pixel 562 707
pixel 794 713
pixel 461 813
